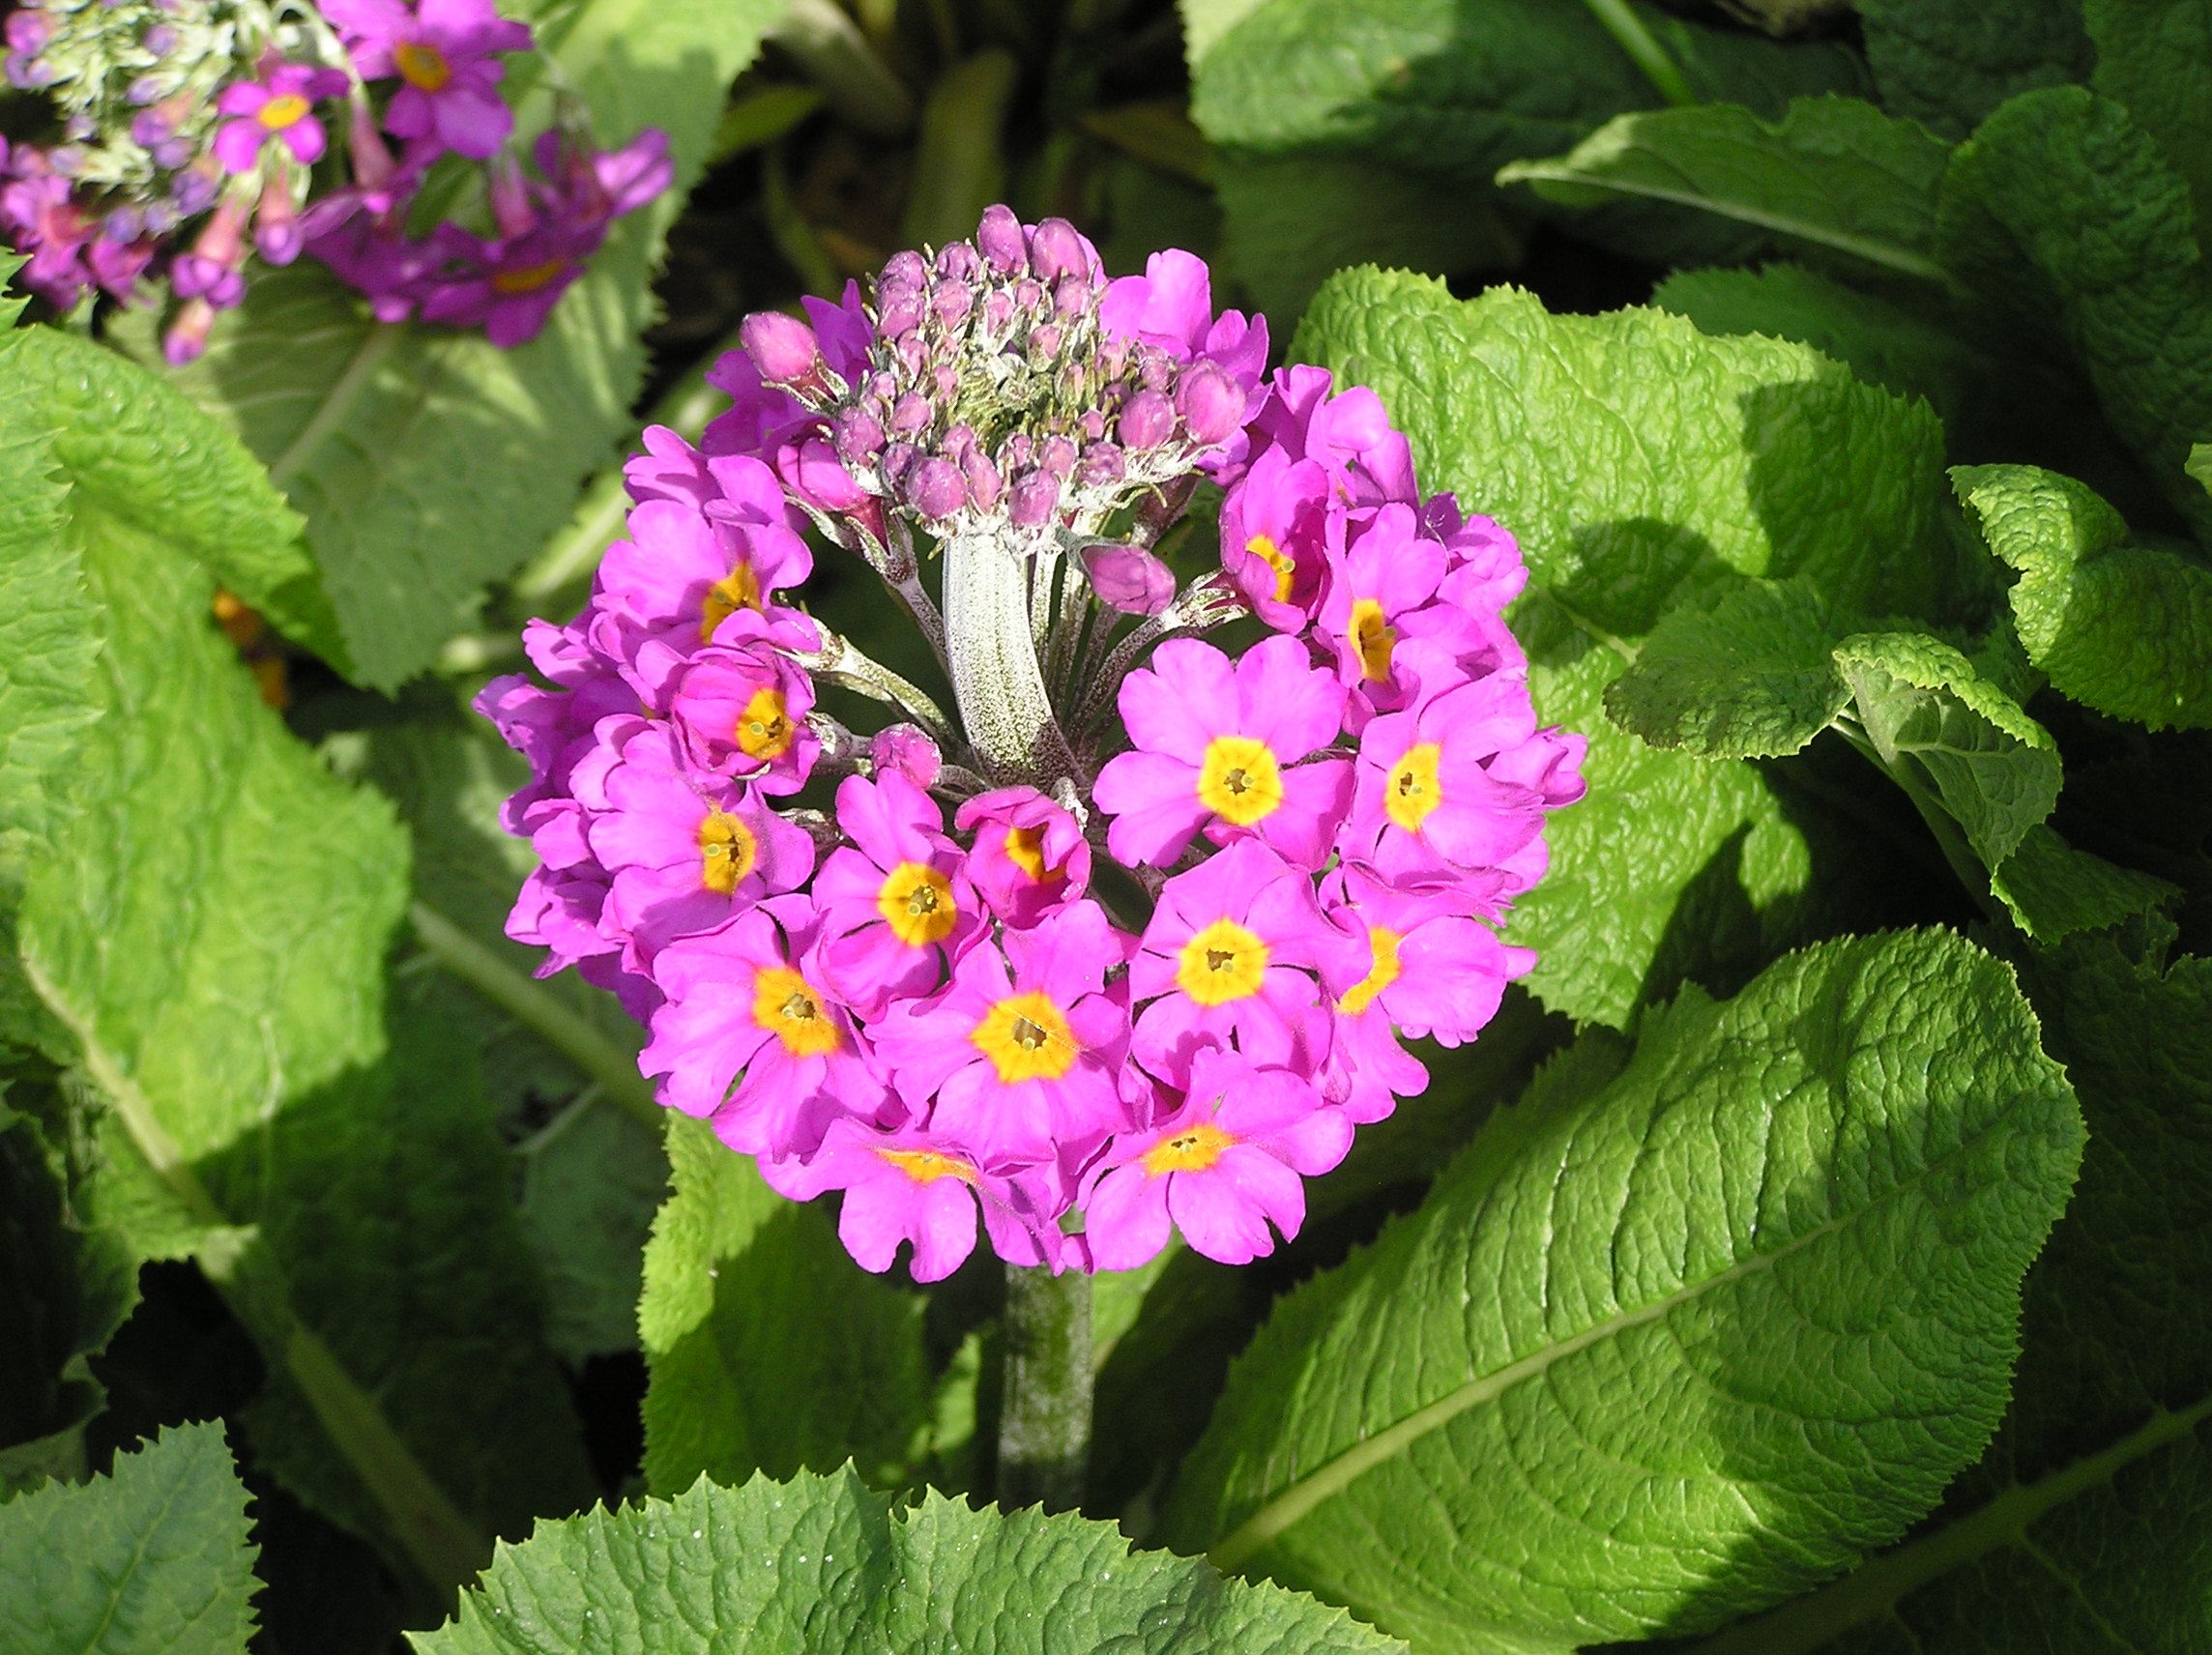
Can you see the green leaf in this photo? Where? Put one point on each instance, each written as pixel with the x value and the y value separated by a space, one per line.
pixel 1644 466
pixel 1751 677
pixel 426 460
pixel 2126 629
pixel 591 1182
pixel 65 1287
pixel 2154 56
pixel 2064 217
pixel 2199 465
pixel 166 470
pixel 209 928
pixel 1671 1341
pixel 1929 714
pixel 2053 890
pixel 822 1564
pixel 2085 1528
pixel 768 1349
pixel 1948 63
pixel 1834 175
pixel 152 1560
pixel 11 303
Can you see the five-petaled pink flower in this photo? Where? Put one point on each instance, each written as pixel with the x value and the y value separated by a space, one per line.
pixel 278 107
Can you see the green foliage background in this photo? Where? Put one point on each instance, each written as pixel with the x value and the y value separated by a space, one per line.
pixel 1810 1255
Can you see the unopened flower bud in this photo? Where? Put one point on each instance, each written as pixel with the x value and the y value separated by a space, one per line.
pixel 859 434
pixel 952 300
pixel 1101 463
pixel 782 347
pixel 999 237
pixel 906 269
pixel 957 261
pixel 1029 295
pixel 1032 499
pixel 998 313
pixel 1147 418
pixel 1058 456
pixel 935 488
pixel 188 335
pixel 1071 296
pixel 1045 342
pixel 984 483
pixel 1211 404
pixel 909 414
pixel 1129 578
pixel 1055 249
pixel 907 749
pixel 1091 422
pixel 898 308
pixel 898 459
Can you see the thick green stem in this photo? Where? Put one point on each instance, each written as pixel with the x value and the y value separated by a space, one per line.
pixel 1636 40
pixel 996 679
pixel 1044 1417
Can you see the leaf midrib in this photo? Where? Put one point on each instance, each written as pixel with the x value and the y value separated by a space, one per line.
pixel 1299 1498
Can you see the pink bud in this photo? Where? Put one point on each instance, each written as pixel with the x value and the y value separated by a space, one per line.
pixel 859 434
pixel 1055 249
pixel 952 300
pixel 907 268
pixel 957 261
pixel 907 749
pixel 999 237
pixel 782 347
pixel 1209 403
pixel 1129 578
pixel 1147 418
pixel 1034 500
pixel 935 488
pixel 1045 342
pixel 1102 463
pixel 188 335
pixel 984 483
pixel 909 414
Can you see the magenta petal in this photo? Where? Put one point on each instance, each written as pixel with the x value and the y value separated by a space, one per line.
pixel 1218 1216
pixel 1126 1218
pixel 237 145
pixel 472 119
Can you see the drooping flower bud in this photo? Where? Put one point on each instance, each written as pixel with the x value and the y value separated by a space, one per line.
pixel 1211 404
pixel 1129 578
pixel 783 347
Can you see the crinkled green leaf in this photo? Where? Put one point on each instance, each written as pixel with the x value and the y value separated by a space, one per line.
pixel 1834 176
pixel 65 1287
pixel 154 1559
pixel 1749 676
pixel 824 1566
pixel 1948 63
pixel 2120 627
pixel 2154 56
pixel 211 926
pixel 2064 216
pixel 426 460
pixel 1672 1341
pixel 2086 1526
pixel 591 1182
pixel 1644 465
pixel 11 299
pixel 2199 465
pixel 768 1349
pixel 2053 890
pixel 1929 715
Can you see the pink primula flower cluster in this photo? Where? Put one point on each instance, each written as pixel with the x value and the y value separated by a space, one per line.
pixel 1129 943
pixel 197 131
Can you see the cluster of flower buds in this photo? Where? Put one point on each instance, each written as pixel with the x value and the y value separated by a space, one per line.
pixel 1159 963
pixel 180 134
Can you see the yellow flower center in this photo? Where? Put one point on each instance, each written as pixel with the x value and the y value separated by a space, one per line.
pixel 529 279
pixel 1413 790
pixel 738 589
pixel 764 730
pixel 1270 553
pixel 917 903
pixel 1026 1038
pixel 786 1005
pixel 1222 963
pixel 1025 849
pixel 927 1166
pixel 1381 972
pixel 283 111
pixel 1188 1152
pixel 1372 637
pixel 1238 781
pixel 422 65
pixel 727 852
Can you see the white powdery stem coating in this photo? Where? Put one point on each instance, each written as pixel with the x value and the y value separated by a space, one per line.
pixel 993 659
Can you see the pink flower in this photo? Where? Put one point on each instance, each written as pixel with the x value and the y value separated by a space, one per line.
pixel 1221 1169
pixel 1218 746
pixel 1368 460
pixel 740 712
pixel 1387 572
pixel 509 286
pixel 902 1185
pixel 686 855
pixel 443 52
pixel 1274 525
pixel 742 1012
pixel 1021 1051
pixel 1234 951
pixel 896 905
pixel 1171 306
pixel 1028 859
pixel 279 106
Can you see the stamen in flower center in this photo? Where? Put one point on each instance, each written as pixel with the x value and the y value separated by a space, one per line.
pixel 1191 1150
pixel 1383 970
pixel 422 65
pixel 787 1006
pixel 727 852
pixel 1222 963
pixel 1238 781
pixel 917 903
pixel 764 730
pixel 1025 849
pixel 1373 638
pixel 1413 790
pixel 285 109
pixel 927 1166
pixel 738 589
pixel 1263 548
pixel 529 279
pixel 1026 1038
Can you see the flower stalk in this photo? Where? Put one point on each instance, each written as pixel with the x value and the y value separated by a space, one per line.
pixel 1044 1417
